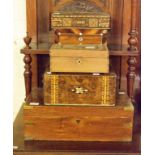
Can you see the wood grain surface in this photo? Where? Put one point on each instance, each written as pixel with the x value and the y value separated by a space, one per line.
pixel 80 89
pixel 77 39
pixel 82 60
pixel 73 148
pixel 76 123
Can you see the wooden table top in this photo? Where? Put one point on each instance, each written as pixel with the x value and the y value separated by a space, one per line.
pixel 22 147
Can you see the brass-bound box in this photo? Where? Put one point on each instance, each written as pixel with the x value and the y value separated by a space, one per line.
pixel 81 59
pixel 86 89
pixel 79 123
pixel 80 20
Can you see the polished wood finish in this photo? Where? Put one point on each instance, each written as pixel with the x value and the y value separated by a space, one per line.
pixel 77 59
pixel 80 123
pixel 108 6
pixel 119 36
pixel 44 49
pixel 133 41
pixel 77 39
pixel 81 36
pixel 131 76
pixel 31 14
pixel 133 45
pixel 27 41
pixel 70 153
pixel 75 89
pixel 43 25
pixel 27 74
pixel 74 148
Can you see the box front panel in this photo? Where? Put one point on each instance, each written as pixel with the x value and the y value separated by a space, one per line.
pixel 77 39
pixel 80 21
pixel 72 123
pixel 80 89
pixel 80 129
pixel 79 64
pixel 79 58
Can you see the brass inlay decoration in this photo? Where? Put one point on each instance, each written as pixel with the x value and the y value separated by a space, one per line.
pixel 79 90
pixel 108 90
pixel 54 89
pixel 104 85
pixel 80 19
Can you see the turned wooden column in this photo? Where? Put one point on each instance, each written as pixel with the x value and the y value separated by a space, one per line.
pixel 133 41
pixel 27 73
pixel 131 76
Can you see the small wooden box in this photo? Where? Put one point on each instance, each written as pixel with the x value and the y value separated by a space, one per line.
pixel 80 89
pixel 79 123
pixel 80 36
pixel 80 20
pixel 82 59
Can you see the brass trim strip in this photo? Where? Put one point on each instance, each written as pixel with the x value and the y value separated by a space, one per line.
pixel 54 89
pixel 104 89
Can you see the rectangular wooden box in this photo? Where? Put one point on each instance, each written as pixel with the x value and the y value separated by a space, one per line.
pixel 80 36
pixel 79 123
pixel 80 89
pixel 80 20
pixel 82 59
pixel 80 39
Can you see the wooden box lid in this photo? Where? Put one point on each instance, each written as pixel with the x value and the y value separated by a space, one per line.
pixel 79 51
pixel 80 19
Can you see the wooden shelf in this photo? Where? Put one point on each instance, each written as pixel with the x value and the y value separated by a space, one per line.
pixel 44 48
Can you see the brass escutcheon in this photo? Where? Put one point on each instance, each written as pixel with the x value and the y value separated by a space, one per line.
pixel 79 61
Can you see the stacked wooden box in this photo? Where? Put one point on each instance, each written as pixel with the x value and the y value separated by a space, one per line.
pixel 76 66
pixel 80 90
